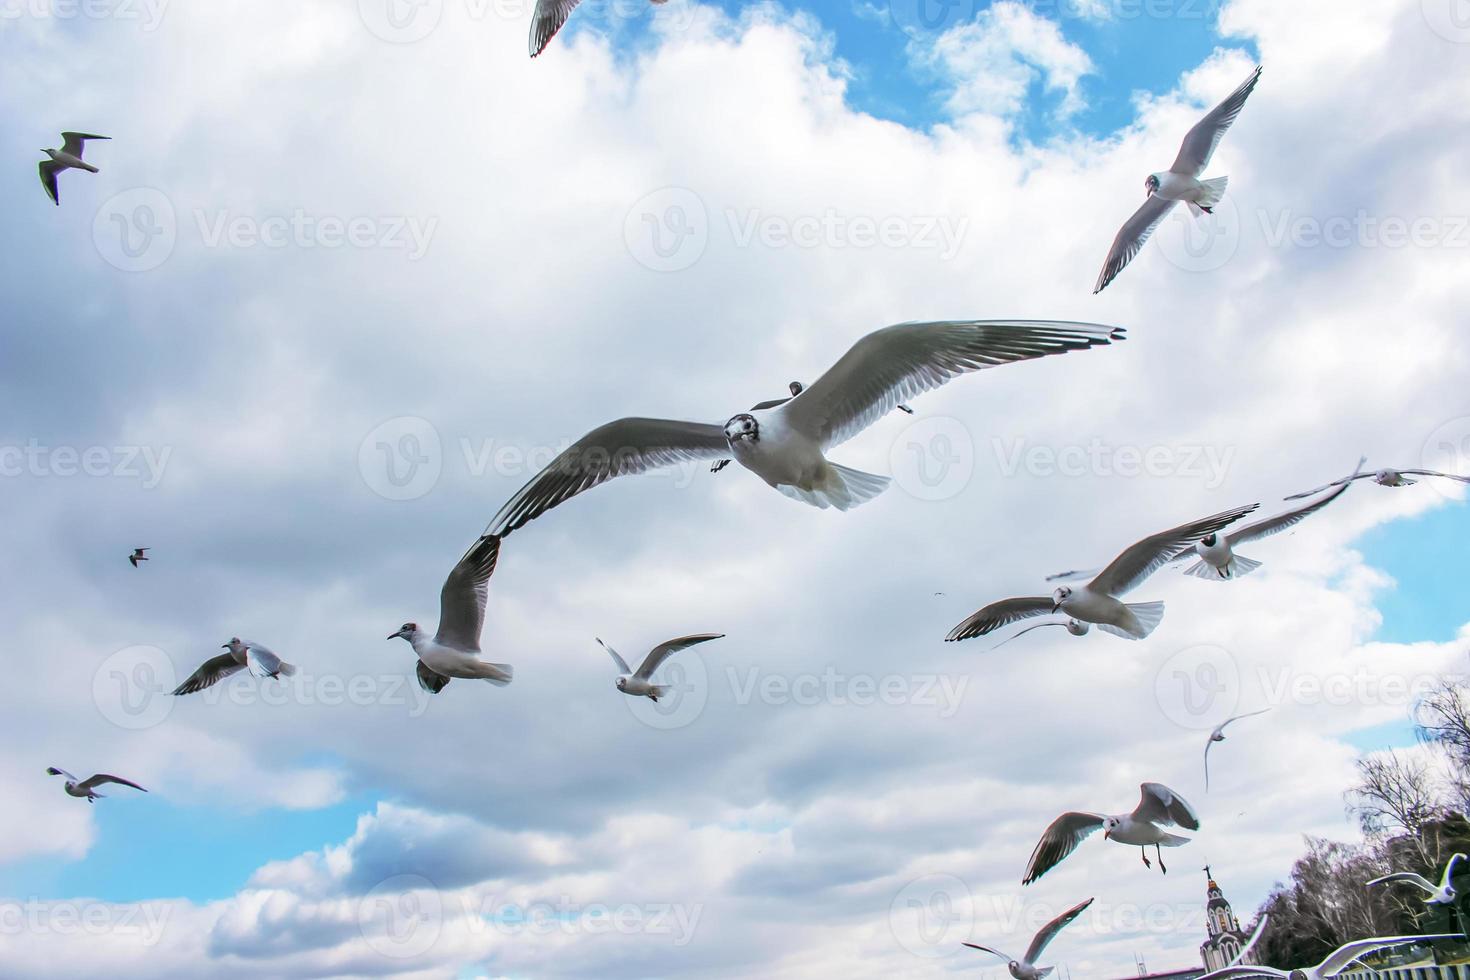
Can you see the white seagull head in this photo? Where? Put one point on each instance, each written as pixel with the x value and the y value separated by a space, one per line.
pixel 1110 824
pixel 743 427
pixel 407 631
pixel 1060 595
pixel 1151 185
pixel 235 646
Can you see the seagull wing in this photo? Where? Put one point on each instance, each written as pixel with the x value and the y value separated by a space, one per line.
pixel 1241 972
pixel 999 614
pixel 1049 931
pixel 1159 804
pixel 1073 574
pixel 892 365
pixel 429 680
pixel 462 600
pixel 212 671
pixel 1279 523
pixel 1235 718
pixel 1208 742
pixel 76 142
pixel 550 15
pixel 1141 560
pixel 1327 486
pixel 987 949
pixel 1200 142
pixel 1419 881
pixel 617 657
pixel 1060 839
pixel 1449 869
pixel 48 170
pixel 1446 476
pixel 1020 633
pixel 1340 958
pixel 262 661
pixel 53 771
pixel 1131 238
pixel 1256 935
pixel 631 445
pixel 664 651
pixel 103 777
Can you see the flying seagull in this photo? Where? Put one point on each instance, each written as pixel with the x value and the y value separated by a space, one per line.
pixel 1097 602
pixel 550 15
pixel 1026 968
pixel 639 684
pixel 1218 735
pixel 138 555
pixel 1441 894
pixel 1159 807
pixel 1336 962
pixel 796 388
pixel 86 789
pixel 1384 478
pixel 69 157
pixel 1218 561
pixel 241 654
pixel 1074 626
pixel 1179 183
pixel 786 445
pixel 455 650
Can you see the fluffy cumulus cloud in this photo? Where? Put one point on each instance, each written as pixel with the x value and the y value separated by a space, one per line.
pixel 344 283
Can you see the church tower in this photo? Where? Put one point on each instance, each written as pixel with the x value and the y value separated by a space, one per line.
pixel 1226 938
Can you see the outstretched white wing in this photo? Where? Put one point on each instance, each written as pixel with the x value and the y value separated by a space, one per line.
pixel 1060 839
pixel 1002 613
pixel 1159 804
pixel 462 599
pixel 617 657
pixel 1141 560
pixel 1199 144
pixel 1131 238
pixel 665 650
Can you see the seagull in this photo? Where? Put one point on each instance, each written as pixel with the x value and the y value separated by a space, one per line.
pixel 242 653
pixel 786 445
pixel 640 684
pixel 1218 735
pixel 1159 807
pixel 1384 478
pixel 1441 894
pixel 454 650
pixel 1179 183
pixel 69 157
pixel 1074 626
pixel 86 789
pixel 796 388
pixel 1026 968
pixel 1218 561
pixel 550 15
pixel 138 555
pixel 1337 961
pixel 1097 602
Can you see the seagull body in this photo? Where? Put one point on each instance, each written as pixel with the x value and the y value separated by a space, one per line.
pixel 1384 478
pixel 549 16
pixel 639 683
pixel 1097 601
pixel 1441 894
pixel 1025 968
pixel 1159 807
pixel 1218 735
pixel 69 157
pixel 1218 561
pixel 1336 962
pixel 86 789
pixel 1181 182
pixel 455 650
pixel 138 555
pixel 240 655
pixel 786 444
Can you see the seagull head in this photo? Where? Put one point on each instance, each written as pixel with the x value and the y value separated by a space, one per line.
pixel 1110 825
pixel 1059 596
pixel 407 631
pixel 1297 975
pixel 234 646
pixel 1151 185
pixel 1209 539
pixel 796 388
pixel 1077 627
pixel 743 427
pixel 622 683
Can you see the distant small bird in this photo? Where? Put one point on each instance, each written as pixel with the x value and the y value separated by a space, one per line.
pixel 86 789
pixel 1441 894
pixel 550 15
pixel 1384 478
pixel 1025 968
pixel 1158 808
pixel 1179 183
pixel 639 684
pixel 241 654
pixel 1218 735
pixel 1336 962
pixel 138 555
pixel 455 650
pixel 69 157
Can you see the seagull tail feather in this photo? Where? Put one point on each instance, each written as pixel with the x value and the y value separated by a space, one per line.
pixel 498 674
pixel 845 488
pixel 1146 616
pixel 1213 190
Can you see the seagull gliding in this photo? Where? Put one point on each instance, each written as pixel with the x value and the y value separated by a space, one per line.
pixel 454 650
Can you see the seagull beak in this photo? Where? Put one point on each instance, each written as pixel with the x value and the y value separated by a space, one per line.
pixel 1107 835
pixel 224 646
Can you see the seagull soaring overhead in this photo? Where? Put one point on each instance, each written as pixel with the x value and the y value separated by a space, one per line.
pixel 639 684
pixel 1179 183
pixel 1218 735
pixel 1384 478
pixel 1336 962
pixel 455 650
pixel 241 654
pixel 786 445
pixel 1074 626
pixel 1025 968
pixel 1218 561
pixel 138 555
pixel 1441 894
pixel 69 157
pixel 1158 808
pixel 86 789
pixel 550 15
pixel 1097 602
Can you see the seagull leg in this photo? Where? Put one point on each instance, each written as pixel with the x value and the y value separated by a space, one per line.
pixel 1143 852
pixel 719 465
pixel 1160 854
pixel 1206 210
